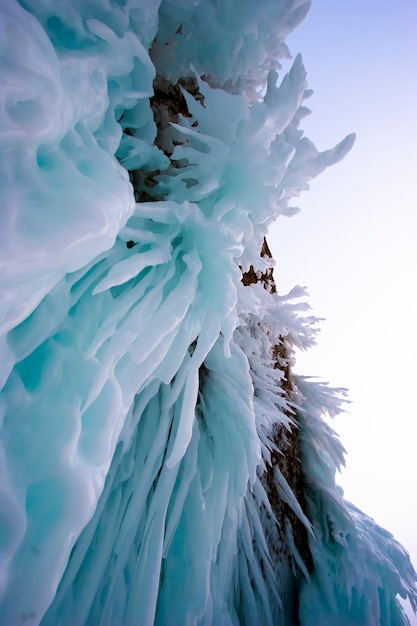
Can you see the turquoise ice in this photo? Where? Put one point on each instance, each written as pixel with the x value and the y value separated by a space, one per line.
pixel 139 390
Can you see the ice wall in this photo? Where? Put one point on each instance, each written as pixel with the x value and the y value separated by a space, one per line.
pixel 151 429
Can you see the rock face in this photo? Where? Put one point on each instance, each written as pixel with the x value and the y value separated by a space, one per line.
pixel 161 462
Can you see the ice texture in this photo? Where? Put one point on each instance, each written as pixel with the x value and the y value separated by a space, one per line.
pixel 160 464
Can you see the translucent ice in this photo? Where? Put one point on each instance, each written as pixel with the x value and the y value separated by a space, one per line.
pixel 160 464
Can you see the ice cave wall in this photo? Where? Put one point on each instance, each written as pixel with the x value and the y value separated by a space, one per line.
pixel 160 463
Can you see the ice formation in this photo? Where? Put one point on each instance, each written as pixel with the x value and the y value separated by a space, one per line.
pixel 160 462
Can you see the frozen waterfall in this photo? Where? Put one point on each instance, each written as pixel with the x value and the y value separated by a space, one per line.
pixel 160 461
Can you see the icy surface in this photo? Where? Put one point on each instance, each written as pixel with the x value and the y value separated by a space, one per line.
pixel 141 381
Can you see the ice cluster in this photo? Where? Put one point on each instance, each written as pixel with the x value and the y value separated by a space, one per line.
pixel 160 462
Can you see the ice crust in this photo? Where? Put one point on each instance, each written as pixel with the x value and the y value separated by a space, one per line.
pixel 138 385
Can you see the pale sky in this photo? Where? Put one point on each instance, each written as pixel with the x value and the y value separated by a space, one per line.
pixel 354 244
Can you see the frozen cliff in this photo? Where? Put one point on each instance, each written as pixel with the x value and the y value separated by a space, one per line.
pixel 160 461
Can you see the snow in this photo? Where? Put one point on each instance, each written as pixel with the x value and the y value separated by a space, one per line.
pixel 140 393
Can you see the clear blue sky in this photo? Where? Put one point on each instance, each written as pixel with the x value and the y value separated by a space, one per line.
pixel 354 243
